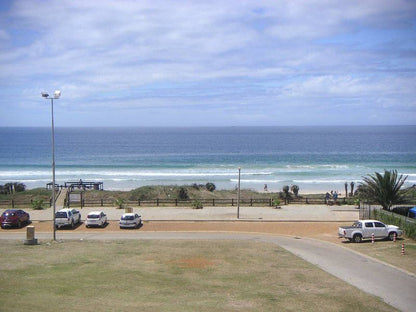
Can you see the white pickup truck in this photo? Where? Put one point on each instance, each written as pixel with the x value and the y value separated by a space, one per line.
pixel 365 229
pixel 65 217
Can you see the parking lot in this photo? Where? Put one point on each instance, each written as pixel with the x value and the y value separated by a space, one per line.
pixel 285 213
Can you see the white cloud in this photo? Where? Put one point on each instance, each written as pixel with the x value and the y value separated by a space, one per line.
pixel 245 53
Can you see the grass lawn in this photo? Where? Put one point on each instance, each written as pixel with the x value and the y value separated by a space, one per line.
pixel 389 252
pixel 169 276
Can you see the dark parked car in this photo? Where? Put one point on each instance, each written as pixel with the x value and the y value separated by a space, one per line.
pixel 14 217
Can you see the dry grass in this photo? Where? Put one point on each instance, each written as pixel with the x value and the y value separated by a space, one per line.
pixel 389 252
pixel 169 276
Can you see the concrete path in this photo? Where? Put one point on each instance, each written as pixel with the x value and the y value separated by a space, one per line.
pixel 394 286
pixel 61 199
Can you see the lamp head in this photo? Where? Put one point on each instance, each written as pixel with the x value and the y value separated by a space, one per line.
pixel 45 94
pixel 57 94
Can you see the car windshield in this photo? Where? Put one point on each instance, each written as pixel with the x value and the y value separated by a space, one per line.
pixel 9 214
pixel 127 218
pixel 60 214
pixel 93 216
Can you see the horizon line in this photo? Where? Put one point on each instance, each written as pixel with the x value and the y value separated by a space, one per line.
pixel 241 126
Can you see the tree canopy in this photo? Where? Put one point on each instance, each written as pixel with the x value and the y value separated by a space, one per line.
pixel 384 189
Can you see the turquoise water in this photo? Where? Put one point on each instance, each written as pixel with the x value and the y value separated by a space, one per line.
pixel 314 158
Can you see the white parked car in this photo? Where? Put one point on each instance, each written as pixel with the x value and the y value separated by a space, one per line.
pixel 96 218
pixel 366 229
pixel 130 220
pixel 67 217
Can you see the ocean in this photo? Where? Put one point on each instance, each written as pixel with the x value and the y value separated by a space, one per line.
pixel 317 159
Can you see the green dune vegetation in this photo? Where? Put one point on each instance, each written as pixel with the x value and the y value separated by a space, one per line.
pixel 383 189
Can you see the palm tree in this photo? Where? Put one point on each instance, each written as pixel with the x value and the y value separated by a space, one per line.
pixel 346 189
pixel 295 190
pixel 352 188
pixel 19 187
pixel 385 189
pixel 8 187
pixel 286 191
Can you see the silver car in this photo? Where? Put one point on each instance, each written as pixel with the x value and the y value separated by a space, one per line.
pixel 96 218
pixel 130 220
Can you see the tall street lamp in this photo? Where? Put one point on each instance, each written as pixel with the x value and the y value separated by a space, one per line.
pixel 238 194
pixel 55 96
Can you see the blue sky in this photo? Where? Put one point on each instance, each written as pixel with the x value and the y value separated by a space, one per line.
pixel 208 63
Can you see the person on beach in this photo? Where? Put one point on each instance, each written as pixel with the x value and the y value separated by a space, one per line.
pixel 327 196
pixel 335 196
pixel 265 187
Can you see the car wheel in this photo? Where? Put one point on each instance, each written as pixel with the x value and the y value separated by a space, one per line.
pixel 19 224
pixel 357 238
pixel 391 236
pixel 72 224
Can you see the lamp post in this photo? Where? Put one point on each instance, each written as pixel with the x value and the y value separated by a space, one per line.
pixel 55 96
pixel 238 194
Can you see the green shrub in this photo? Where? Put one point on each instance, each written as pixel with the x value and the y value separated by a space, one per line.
pixel 210 186
pixel 119 202
pixel 409 228
pixel 197 186
pixel 183 193
pixel 37 204
pixel 197 204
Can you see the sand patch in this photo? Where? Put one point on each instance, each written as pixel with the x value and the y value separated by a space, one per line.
pixel 193 263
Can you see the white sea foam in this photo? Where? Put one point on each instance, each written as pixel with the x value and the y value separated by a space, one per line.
pixel 24 173
pixel 322 180
pixel 318 167
pixel 261 181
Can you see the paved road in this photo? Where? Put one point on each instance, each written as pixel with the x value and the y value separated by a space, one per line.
pixel 393 285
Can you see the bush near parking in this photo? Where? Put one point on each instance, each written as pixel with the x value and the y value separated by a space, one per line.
pixel 408 227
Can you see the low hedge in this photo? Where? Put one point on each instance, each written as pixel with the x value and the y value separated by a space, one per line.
pixel 408 227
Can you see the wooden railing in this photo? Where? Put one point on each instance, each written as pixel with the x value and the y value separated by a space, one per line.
pixel 220 202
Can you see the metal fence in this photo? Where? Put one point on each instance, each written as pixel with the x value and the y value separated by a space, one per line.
pixel 369 211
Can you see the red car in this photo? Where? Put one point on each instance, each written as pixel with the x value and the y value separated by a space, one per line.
pixel 14 217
